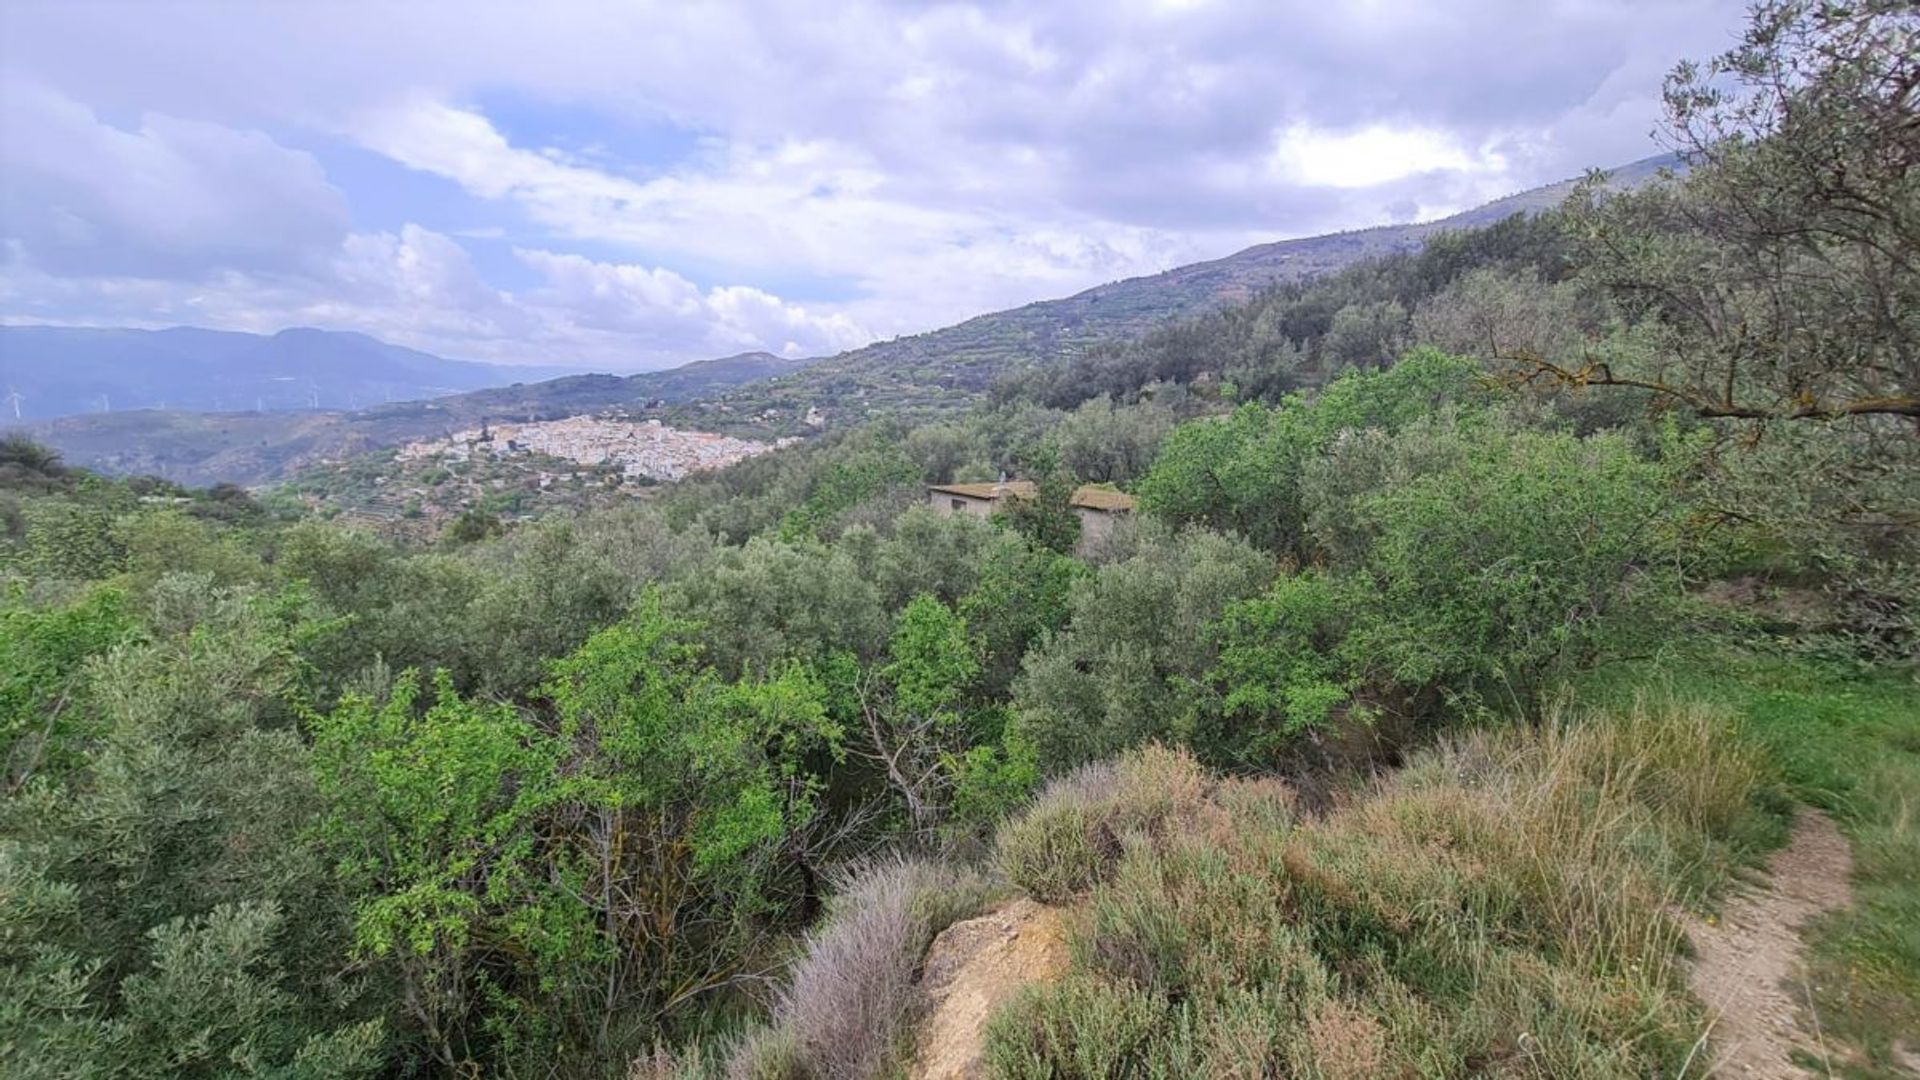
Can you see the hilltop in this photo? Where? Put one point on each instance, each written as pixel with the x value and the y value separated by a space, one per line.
pixel 926 369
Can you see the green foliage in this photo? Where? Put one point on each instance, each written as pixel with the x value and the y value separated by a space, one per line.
pixel 73 539
pixel 1532 556
pixel 492 851
pixel 1281 670
pixel 42 656
pixel 769 601
pixel 944 555
pixel 473 526
pixel 1242 474
pixel 842 487
pixel 1047 519
pixel 595 807
pixel 931 659
pixel 1115 677
pixel 1022 595
pixel 1101 442
pixel 173 920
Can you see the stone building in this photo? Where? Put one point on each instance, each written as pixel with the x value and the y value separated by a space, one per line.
pixel 1096 507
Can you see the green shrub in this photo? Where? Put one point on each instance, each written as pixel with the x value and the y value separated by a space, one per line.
pixel 1082 1027
pixel 1074 834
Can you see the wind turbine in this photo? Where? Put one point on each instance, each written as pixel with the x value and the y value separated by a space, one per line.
pixel 14 399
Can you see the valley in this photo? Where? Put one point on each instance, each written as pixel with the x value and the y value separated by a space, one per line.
pixel 1478 648
pixel 760 396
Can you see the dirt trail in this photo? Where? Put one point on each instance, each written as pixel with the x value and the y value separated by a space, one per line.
pixel 974 967
pixel 1748 967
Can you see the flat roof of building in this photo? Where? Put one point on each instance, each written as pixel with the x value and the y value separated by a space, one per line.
pixel 1087 496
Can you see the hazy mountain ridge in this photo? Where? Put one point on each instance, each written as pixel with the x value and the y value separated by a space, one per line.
pixel 61 370
pixel 251 447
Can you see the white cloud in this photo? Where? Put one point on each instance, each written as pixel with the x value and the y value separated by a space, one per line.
pixel 662 314
pixel 1372 156
pixel 886 169
pixel 418 287
pixel 171 197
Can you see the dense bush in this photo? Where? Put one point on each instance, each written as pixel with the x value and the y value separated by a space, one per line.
pixel 1114 677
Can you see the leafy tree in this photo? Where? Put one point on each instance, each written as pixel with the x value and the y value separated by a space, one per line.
pixel 43 655
pixel 1777 286
pixel 473 526
pixel 1783 274
pixel 173 920
pixel 1478 579
pixel 843 486
pixel 941 554
pixel 1101 442
pixel 1022 596
pixel 912 708
pixel 1241 473
pixel 1118 674
pixel 568 881
pixel 1047 518
pixel 769 601
pixel 1366 335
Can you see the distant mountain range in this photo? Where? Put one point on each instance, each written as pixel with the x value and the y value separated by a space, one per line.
pixel 972 354
pixel 51 371
pixel 938 369
pixel 254 447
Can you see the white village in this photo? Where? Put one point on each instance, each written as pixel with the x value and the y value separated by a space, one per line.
pixel 639 449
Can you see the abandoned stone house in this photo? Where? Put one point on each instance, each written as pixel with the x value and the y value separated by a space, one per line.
pixel 1097 507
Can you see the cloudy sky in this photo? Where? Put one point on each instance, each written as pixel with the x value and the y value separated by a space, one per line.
pixel 630 185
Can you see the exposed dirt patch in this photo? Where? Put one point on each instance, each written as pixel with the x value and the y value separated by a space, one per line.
pixel 1748 967
pixel 972 969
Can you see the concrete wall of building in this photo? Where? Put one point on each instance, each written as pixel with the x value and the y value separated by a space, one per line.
pixel 946 502
pixel 1095 527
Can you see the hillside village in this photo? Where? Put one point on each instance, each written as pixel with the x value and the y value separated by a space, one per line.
pixel 646 449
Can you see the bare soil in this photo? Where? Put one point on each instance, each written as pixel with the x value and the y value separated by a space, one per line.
pixel 1748 966
pixel 972 969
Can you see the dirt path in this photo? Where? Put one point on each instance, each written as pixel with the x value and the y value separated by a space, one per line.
pixel 1748 968
pixel 972 968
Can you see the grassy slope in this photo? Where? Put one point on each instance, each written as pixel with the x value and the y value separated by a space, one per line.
pixel 1849 744
pixel 1498 908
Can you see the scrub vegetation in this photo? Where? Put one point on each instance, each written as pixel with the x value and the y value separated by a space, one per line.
pixel 1489 608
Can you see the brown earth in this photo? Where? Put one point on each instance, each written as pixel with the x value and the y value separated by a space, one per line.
pixel 1748 968
pixel 972 969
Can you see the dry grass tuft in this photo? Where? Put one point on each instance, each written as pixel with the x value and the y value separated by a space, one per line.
pixel 1346 1042
pixel 851 996
pixel 1074 834
pixel 1497 908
